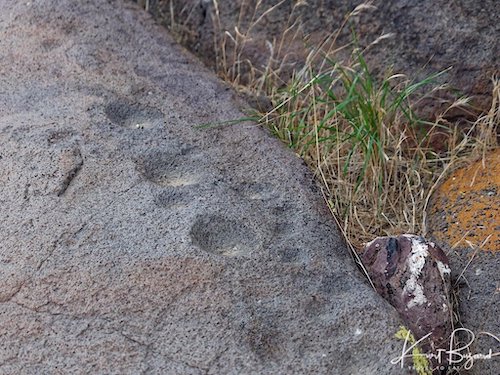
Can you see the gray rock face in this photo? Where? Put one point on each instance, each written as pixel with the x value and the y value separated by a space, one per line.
pixel 463 220
pixel 427 36
pixel 133 242
pixel 478 283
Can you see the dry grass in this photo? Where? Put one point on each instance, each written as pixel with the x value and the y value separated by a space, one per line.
pixel 231 47
pixel 376 160
pixel 373 156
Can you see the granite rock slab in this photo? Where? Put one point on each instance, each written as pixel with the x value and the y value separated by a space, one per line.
pixel 135 241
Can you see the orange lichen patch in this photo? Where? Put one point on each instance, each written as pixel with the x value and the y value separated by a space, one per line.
pixel 467 206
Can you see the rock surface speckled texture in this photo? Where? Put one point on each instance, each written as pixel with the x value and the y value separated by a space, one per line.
pixel 133 242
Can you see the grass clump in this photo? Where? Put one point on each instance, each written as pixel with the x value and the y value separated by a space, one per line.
pixel 364 142
pixel 377 161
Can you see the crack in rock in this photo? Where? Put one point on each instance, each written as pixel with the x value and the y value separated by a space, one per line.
pixel 76 166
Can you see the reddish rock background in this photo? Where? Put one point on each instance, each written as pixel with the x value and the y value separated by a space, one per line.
pixel 427 36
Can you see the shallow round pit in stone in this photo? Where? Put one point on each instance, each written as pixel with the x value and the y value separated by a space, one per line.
pixel 168 169
pixel 219 235
pixel 133 115
pixel 262 191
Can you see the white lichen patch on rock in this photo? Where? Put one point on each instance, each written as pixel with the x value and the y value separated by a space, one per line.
pixel 443 269
pixel 415 264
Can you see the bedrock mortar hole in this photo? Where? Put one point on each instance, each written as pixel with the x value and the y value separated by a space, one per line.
pixel 167 169
pixel 133 115
pixel 219 235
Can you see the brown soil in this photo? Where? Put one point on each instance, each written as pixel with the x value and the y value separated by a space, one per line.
pixel 467 205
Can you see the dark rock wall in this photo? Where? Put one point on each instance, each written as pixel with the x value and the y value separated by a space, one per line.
pixel 427 36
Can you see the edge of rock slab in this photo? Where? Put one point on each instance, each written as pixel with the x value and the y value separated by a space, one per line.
pixel 134 242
